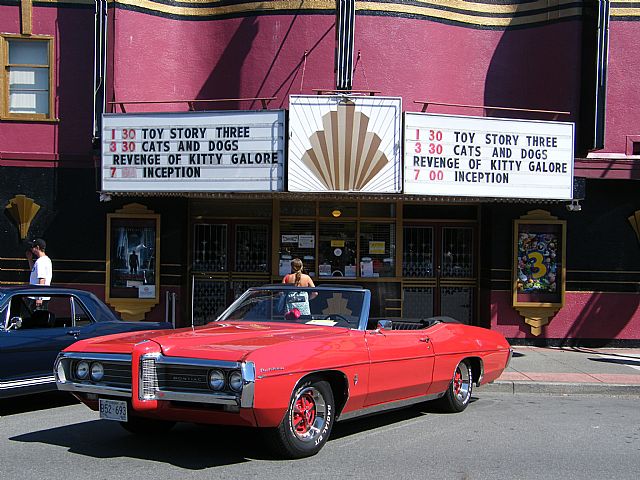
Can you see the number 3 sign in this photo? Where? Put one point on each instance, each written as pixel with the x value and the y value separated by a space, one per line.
pixel 538 267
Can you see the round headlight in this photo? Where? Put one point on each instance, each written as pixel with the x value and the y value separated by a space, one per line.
pixel 216 379
pixel 235 381
pixel 97 371
pixel 82 370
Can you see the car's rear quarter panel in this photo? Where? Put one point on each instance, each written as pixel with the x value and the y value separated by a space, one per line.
pixel 452 343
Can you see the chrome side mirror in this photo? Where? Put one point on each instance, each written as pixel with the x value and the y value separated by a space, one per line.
pixel 15 323
pixel 384 325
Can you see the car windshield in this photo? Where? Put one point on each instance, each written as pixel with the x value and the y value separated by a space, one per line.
pixel 311 306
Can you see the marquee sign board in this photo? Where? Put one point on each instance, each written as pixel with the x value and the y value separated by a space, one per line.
pixel 450 155
pixel 223 151
pixel 344 144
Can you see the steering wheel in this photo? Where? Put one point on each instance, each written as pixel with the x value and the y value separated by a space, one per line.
pixel 339 319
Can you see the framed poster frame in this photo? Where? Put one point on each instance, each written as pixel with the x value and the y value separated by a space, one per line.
pixel 539 267
pixel 133 261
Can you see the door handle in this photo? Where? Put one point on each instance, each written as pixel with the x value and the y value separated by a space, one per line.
pixel 73 333
pixel 424 339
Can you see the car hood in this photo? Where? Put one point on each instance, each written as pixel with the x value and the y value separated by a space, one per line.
pixel 230 341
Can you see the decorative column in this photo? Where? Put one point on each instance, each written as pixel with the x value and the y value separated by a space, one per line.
pixel 345 32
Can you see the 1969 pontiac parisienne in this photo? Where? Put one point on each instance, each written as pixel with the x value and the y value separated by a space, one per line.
pixel 289 360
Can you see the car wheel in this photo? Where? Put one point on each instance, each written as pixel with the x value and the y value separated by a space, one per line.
pixel 307 424
pixel 458 394
pixel 146 426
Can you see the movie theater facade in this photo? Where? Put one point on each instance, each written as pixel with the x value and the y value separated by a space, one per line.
pixel 465 172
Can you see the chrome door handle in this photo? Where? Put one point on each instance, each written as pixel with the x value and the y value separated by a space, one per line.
pixel 74 333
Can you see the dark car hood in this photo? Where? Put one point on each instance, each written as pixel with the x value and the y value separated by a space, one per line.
pixel 231 341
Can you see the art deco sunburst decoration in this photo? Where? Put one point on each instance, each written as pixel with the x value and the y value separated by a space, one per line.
pixel 23 210
pixel 344 155
pixel 634 220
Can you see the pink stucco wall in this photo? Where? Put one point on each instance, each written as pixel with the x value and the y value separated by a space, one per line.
pixel 159 59
pixel 68 138
pixel 623 85
pixel 586 315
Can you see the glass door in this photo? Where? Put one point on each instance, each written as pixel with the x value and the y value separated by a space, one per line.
pixel 438 269
pixel 227 258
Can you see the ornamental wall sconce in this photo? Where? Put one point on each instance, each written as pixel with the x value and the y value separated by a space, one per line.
pixel 634 220
pixel 23 210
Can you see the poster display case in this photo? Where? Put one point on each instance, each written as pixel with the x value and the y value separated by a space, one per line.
pixel 539 267
pixel 132 269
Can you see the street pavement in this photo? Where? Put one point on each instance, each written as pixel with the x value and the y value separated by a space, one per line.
pixel 570 370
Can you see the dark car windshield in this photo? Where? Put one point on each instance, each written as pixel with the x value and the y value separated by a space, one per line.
pixel 329 307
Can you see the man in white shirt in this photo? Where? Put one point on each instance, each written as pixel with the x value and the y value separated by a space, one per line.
pixel 41 268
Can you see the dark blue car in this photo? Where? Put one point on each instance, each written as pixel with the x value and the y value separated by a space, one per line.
pixel 36 323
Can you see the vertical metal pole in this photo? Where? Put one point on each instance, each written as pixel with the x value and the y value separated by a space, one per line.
pixel 173 309
pixel 166 306
pixel 193 293
pixel 602 61
pixel 345 31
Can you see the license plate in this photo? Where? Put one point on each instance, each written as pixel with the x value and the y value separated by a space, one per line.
pixel 113 410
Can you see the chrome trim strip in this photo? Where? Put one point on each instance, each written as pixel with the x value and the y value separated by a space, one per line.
pixel 97 389
pixel 248 370
pixel 27 382
pixel 108 357
pixel 197 362
pixel 214 398
pixel 388 406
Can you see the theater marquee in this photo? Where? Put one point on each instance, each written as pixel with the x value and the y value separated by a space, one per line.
pixel 448 155
pixel 224 151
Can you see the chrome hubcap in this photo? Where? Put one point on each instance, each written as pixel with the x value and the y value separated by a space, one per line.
pixel 462 383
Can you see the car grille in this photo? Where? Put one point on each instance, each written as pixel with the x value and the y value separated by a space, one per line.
pixel 117 374
pixel 182 378
pixel 116 378
pixel 174 379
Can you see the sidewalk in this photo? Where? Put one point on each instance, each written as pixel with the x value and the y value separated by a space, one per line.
pixel 570 370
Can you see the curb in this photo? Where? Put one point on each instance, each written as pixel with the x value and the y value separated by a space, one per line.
pixel 560 388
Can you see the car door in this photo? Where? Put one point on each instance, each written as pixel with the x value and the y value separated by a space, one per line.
pixel 30 351
pixel 401 365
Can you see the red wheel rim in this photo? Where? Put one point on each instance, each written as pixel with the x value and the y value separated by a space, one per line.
pixel 457 381
pixel 304 413
pixel 308 414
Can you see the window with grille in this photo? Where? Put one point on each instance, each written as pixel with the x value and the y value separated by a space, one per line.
pixel 28 77
pixel 297 240
pixel 337 249
pixel 457 252
pixel 377 249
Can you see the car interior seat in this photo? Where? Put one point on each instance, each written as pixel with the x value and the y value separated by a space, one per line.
pixel 42 319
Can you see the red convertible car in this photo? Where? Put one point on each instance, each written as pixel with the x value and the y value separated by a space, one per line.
pixel 289 360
